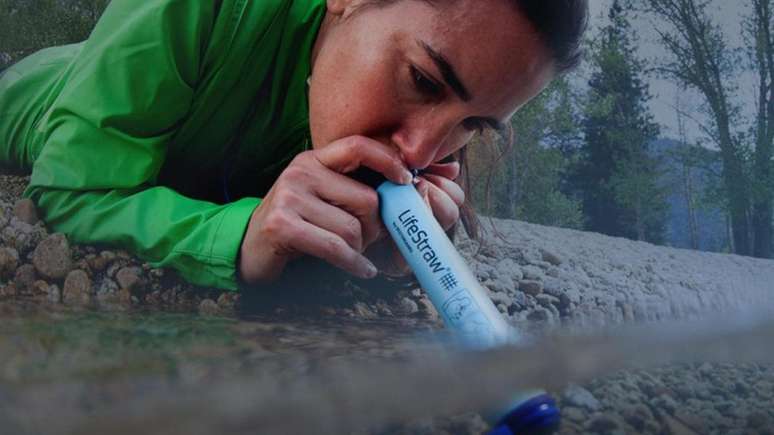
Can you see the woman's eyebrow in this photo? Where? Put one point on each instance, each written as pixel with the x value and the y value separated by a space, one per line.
pixel 447 71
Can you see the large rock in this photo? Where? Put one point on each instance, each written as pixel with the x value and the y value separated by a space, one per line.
pixel 52 258
pixel 25 211
pixel 77 289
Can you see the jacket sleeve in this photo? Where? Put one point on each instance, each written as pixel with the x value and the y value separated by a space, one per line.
pixel 105 141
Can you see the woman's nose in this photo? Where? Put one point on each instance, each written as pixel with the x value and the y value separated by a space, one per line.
pixel 420 145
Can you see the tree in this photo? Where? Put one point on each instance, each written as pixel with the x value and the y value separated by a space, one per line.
pixel 527 183
pixel 701 60
pixel 616 175
pixel 760 45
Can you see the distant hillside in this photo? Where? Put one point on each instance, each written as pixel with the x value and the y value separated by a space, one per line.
pixel 712 235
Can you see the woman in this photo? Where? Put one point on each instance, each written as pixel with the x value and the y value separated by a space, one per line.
pixel 216 137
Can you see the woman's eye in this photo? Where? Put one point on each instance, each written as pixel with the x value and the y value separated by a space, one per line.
pixel 423 84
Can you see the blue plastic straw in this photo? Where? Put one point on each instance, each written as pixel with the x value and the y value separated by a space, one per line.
pixel 460 299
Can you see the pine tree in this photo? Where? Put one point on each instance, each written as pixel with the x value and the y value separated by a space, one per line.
pixel 617 175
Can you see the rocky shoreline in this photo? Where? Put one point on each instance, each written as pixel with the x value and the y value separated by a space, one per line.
pixel 539 277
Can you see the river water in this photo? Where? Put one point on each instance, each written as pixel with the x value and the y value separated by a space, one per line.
pixel 86 372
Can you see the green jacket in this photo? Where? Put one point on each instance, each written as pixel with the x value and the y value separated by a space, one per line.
pixel 161 132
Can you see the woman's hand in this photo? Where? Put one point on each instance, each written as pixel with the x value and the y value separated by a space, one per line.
pixel 314 209
pixel 444 196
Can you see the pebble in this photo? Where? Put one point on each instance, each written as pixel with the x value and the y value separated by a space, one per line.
pixel 208 307
pixel 603 423
pixel 757 419
pixel 25 276
pixel 532 273
pixel 52 257
pixel 25 211
pixel 228 300
pixel 130 278
pixel 532 288
pixel 407 307
pixel 77 289
pixel 363 311
pixel 581 397
pixel 9 260
pixel 540 315
pixel 547 301
pixel 551 257
pixel 575 414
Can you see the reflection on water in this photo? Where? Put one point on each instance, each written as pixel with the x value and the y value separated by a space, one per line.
pixel 153 373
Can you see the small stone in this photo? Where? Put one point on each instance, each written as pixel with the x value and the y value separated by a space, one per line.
pixel 407 307
pixel 52 257
pixel 574 414
pixel 546 301
pixel 551 257
pixel 40 287
pixel 362 310
pixel 427 308
pixel 638 416
pixel 25 211
pixel 130 278
pixel 532 273
pixel 77 288
pixel 675 427
pixel 604 423
pixel 540 315
pixel 156 273
pixel 25 277
pixel 228 300
pixel 96 263
pixel 9 291
pixel 757 420
pixel 581 397
pixel 9 260
pixel 532 288
pixel 208 307
pixel 54 294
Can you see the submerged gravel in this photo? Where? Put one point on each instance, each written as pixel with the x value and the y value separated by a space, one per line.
pixel 540 278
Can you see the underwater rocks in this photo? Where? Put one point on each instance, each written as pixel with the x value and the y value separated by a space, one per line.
pixel 685 399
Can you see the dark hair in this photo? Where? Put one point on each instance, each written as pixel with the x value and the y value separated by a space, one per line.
pixel 561 24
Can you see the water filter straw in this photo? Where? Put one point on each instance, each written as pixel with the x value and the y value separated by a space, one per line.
pixel 451 286
pixel 459 298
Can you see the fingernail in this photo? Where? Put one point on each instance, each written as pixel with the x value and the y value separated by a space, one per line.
pixel 370 270
pixel 408 177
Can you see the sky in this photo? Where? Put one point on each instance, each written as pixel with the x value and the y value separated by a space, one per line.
pixel 727 13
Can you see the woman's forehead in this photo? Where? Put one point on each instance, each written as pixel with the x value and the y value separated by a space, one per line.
pixel 493 48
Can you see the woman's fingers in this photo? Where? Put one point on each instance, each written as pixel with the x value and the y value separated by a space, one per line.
pixel 450 170
pixel 330 218
pixel 354 197
pixel 348 154
pixel 445 209
pixel 328 246
pixel 448 186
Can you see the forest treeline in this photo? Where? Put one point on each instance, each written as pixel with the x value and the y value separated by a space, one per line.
pixel 587 153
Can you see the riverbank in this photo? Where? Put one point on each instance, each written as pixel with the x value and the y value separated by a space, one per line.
pixel 541 278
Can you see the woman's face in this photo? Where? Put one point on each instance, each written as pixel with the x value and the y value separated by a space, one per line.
pixel 422 77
